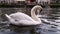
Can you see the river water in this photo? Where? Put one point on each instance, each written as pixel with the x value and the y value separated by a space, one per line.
pixel 51 25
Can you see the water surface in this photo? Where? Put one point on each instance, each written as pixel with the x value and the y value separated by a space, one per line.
pixel 52 26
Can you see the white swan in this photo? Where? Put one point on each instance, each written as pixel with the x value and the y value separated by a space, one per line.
pixel 23 19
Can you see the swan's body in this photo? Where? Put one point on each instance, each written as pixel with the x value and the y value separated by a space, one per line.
pixel 23 19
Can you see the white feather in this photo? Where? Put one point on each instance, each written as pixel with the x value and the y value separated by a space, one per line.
pixel 23 19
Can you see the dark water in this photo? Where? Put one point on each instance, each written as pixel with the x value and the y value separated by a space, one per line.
pixel 52 26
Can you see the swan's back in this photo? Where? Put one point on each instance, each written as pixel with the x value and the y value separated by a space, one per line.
pixel 21 16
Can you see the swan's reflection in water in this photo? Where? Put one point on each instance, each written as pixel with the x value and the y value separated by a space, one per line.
pixel 22 29
pixel 13 29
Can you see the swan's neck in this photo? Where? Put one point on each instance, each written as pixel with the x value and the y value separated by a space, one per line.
pixel 33 15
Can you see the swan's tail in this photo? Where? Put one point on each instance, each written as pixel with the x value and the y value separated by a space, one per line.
pixel 10 18
pixel 7 16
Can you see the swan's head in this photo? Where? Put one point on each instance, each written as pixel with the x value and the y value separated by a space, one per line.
pixel 37 7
